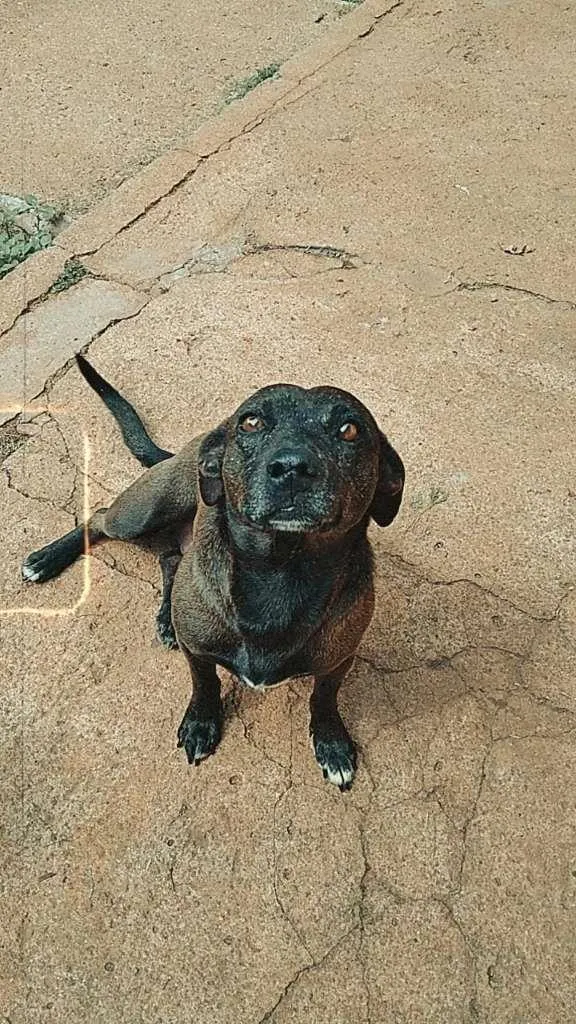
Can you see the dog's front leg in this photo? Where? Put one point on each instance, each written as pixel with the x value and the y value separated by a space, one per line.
pixel 201 728
pixel 333 747
pixel 169 562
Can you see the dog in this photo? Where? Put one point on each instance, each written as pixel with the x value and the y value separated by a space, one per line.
pixel 268 571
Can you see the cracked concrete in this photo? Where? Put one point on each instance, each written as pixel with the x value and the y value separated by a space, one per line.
pixel 141 82
pixel 42 339
pixel 347 235
pixel 474 286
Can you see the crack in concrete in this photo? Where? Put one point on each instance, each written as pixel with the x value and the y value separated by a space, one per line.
pixel 361 906
pixel 538 698
pixel 235 701
pixel 326 251
pixel 434 663
pixel 471 817
pixel 564 597
pixel 281 104
pixel 423 576
pixel 32 497
pixel 361 34
pixel 444 901
pixel 278 899
pixel 217 258
pixel 403 898
pixel 473 1002
pixel 77 473
pixel 476 286
pixel 113 564
pixel 303 971
pixel 535 736
pixel 99 483
pixel 39 299
pixel 62 371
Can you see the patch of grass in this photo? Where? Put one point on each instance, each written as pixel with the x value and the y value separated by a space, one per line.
pixel 49 212
pixel 245 85
pixel 26 226
pixel 16 244
pixel 73 272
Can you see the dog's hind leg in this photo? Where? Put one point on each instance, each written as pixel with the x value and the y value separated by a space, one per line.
pixel 164 496
pixel 52 559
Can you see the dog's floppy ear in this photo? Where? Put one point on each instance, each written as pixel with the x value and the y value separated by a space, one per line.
pixel 210 457
pixel 388 494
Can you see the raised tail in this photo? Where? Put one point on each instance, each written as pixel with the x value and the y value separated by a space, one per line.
pixel 134 433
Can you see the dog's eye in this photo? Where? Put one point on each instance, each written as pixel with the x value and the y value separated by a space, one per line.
pixel 348 432
pixel 251 424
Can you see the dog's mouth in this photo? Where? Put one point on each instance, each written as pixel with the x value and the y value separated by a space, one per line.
pixel 290 520
pixel 293 526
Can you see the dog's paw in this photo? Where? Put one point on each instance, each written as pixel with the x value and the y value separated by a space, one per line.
pixel 336 757
pixel 165 630
pixel 199 735
pixel 31 570
pixel 46 563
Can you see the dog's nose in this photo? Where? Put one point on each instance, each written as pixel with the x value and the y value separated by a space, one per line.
pixel 293 462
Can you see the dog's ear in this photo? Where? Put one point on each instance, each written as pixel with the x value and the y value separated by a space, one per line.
pixel 388 494
pixel 210 458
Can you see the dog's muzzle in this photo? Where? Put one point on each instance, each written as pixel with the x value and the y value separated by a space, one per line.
pixel 296 493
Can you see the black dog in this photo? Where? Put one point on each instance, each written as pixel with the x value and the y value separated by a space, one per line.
pixel 274 580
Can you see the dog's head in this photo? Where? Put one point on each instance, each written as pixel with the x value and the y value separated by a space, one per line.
pixel 301 461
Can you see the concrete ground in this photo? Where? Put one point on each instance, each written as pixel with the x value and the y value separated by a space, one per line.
pixel 91 92
pixel 428 146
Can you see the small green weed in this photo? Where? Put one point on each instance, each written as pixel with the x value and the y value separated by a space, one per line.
pixel 245 85
pixel 73 272
pixel 26 226
pixel 16 244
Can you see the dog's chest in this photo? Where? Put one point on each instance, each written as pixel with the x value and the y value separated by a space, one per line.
pixel 275 605
pixel 264 624
pixel 258 669
pixel 262 669
pixel 274 620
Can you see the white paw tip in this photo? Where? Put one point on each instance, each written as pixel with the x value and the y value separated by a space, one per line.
pixel 341 777
pixel 30 573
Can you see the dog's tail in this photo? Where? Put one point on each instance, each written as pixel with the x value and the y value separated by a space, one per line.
pixel 136 437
